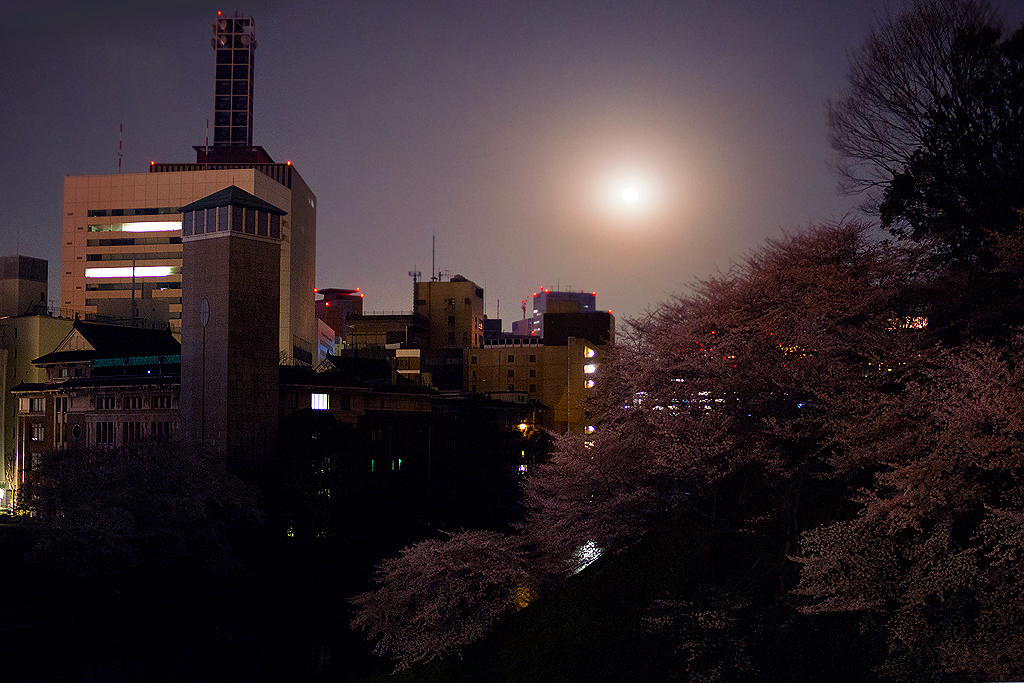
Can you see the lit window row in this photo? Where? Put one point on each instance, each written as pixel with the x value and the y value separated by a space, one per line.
pixel 137 271
pixel 141 226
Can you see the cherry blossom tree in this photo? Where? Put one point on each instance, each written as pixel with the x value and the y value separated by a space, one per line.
pixel 106 511
pixel 438 596
pixel 933 551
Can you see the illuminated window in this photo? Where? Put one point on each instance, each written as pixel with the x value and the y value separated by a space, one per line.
pixel 318 401
pixel 589 352
pixel 590 384
pixel 142 226
pixel 590 429
pixel 140 271
pixel 590 369
pixel 36 432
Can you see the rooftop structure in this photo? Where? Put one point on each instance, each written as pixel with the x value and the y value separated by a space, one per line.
pixel 546 301
pixel 23 283
pixel 234 40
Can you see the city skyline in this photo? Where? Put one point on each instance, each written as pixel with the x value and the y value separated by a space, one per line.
pixel 507 131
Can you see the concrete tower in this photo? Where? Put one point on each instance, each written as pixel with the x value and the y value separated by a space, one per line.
pixel 231 269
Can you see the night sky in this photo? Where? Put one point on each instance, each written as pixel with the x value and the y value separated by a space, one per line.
pixel 508 130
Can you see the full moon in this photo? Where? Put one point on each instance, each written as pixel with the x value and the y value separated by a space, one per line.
pixel 630 195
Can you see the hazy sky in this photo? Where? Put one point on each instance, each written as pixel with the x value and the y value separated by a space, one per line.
pixel 505 129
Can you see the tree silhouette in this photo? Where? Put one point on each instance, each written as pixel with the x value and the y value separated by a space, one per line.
pixel 931 125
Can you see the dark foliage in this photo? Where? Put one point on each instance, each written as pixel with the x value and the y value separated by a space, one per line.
pixel 105 511
pixel 932 126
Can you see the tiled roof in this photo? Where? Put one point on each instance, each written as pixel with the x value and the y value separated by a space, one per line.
pixel 115 341
pixel 233 196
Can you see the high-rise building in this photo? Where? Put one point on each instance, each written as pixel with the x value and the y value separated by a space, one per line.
pixel 122 232
pixel 547 301
pixel 455 311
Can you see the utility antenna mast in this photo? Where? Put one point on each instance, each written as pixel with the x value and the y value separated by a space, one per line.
pixel 415 275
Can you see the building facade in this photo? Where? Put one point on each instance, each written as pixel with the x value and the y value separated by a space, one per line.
pixel 230 356
pixel 454 310
pixel 558 379
pixel 23 286
pixel 335 307
pixel 104 386
pixel 22 340
pixel 122 233
pixel 546 301
pixel 122 240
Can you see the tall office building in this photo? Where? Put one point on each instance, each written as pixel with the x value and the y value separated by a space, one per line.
pixel 122 232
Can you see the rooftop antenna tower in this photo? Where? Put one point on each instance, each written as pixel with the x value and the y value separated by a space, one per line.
pixel 415 275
